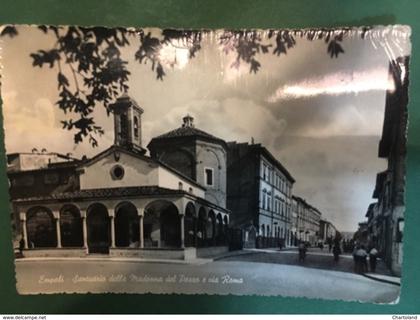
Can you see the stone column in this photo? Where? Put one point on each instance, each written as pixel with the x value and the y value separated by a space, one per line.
pixel 195 226
pixel 24 230
pixel 84 223
pixel 57 227
pixel 182 231
pixel 112 232
pixel 141 233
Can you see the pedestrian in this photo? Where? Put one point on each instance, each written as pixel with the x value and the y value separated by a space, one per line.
pixel 364 256
pixel 336 251
pixel 373 255
pixel 302 251
pixel 21 246
pixel 360 259
pixel 356 259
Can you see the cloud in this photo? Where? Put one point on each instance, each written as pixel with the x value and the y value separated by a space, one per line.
pixel 230 118
pixel 345 82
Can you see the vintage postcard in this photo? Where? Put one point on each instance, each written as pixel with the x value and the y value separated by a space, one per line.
pixel 246 162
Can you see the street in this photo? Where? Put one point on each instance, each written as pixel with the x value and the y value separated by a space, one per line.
pixel 315 258
pixel 241 275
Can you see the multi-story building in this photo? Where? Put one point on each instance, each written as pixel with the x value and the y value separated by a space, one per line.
pixel 389 191
pixel 306 221
pixel 259 194
pixel 327 230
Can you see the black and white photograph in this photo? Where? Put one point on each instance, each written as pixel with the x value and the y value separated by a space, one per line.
pixel 244 162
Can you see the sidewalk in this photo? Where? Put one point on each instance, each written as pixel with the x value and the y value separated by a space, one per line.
pixel 99 257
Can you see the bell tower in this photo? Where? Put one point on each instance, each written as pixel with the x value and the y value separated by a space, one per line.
pixel 127 124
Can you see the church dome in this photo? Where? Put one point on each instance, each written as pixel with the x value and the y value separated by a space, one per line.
pixel 189 130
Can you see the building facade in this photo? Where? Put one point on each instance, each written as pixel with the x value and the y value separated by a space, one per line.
pixel 327 231
pixel 306 222
pixel 387 215
pixel 259 195
pixel 196 154
pixel 120 202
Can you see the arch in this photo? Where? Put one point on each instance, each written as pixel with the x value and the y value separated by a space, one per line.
pixel 99 228
pixel 127 230
pixel 190 225
pixel 136 127
pixel 201 226
pixel 220 232
pixel 226 227
pixel 162 225
pixel 71 226
pixel 41 228
pixel 210 227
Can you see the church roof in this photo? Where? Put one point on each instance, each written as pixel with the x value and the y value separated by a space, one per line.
pixel 117 192
pixel 106 193
pixel 141 156
pixel 188 130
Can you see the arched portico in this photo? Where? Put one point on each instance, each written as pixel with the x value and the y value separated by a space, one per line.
pixel 41 228
pixel 190 228
pixel 162 225
pixel 71 226
pixel 127 231
pixel 220 234
pixel 211 228
pixel 201 227
pixel 98 228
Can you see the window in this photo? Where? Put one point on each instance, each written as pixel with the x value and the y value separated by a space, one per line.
pixel 180 186
pixel 264 171
pixel 123 128
pixel 136 127
pixel 190 190
pixel 117 172
pixel 263 199
pixel 208 176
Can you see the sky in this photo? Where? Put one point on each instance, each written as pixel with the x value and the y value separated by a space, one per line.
pixel 320 116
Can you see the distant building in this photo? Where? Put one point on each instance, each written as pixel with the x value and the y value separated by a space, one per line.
pixel 259 194
pixel 24 161
pixel 361 236
pixel 347 235
pixel 387 216
pixel 326 230
pixel 306 222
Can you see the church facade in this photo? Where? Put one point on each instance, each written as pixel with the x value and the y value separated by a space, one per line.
pixel 122 202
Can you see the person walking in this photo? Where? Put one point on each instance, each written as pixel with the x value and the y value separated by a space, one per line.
pixel 373 255
pixel 356 259
pixel 302 251
pixel 360 259
pixel 336 251
pixel 364 255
